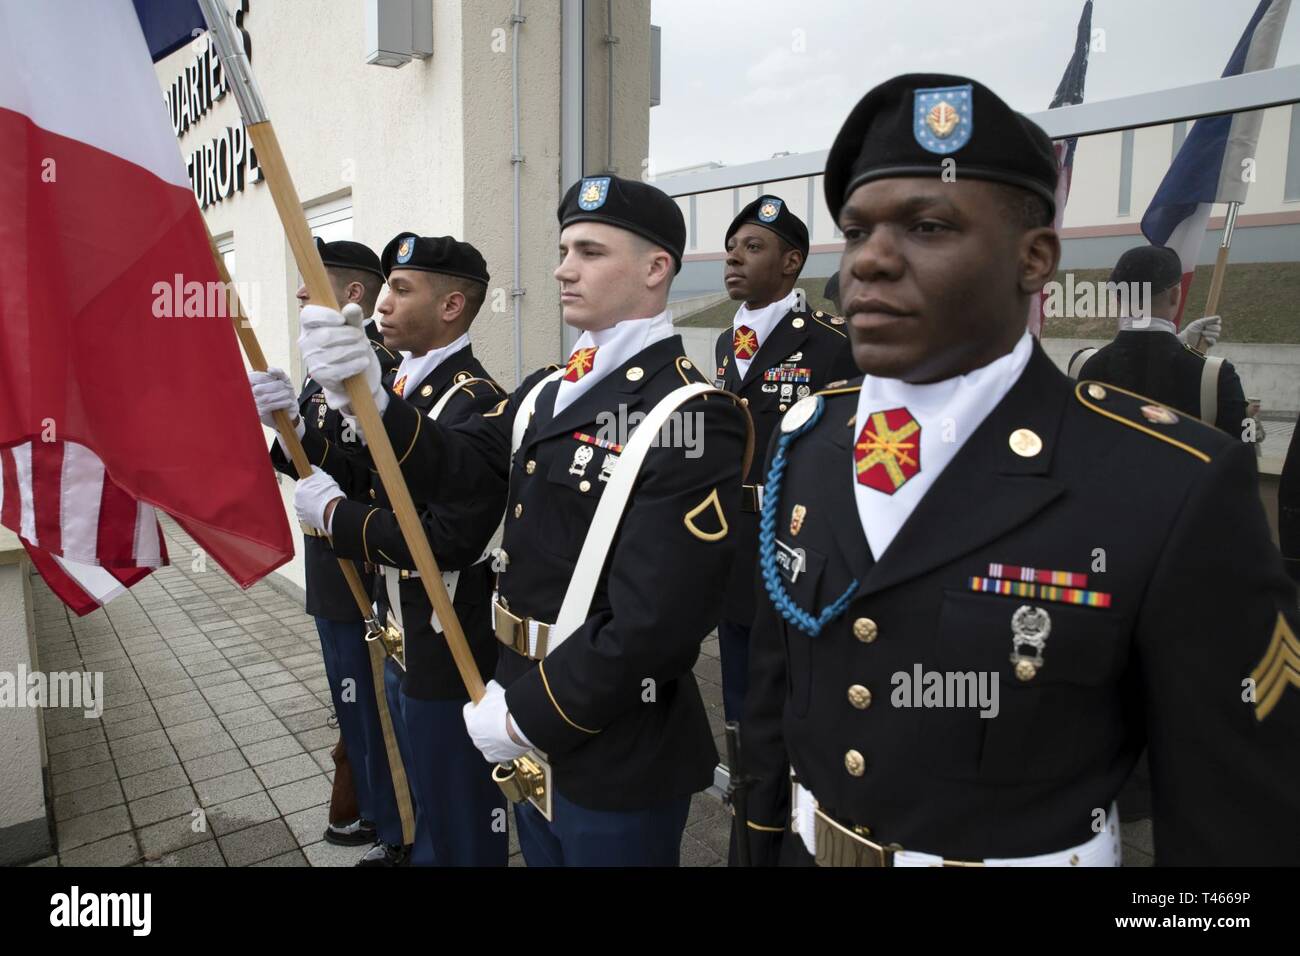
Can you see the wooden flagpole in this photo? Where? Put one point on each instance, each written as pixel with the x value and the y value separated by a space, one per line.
pixel 276 171
pixel 297 454
pixel 1220 265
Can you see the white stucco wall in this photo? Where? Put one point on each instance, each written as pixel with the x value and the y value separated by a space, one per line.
pixel 425 147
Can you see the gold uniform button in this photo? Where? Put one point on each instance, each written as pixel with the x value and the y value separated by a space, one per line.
pixel 797 323
pixel 1026 670
pixel 1025 443
pixel 519 509
pixel 634 374
pixel 372 492
pixel 745 402
pixel 1096 391
pixel 865 630
pixel 584 486
pixel 859 697
pixel 686 363
pixel 855 763
pixel 427 390
pixel 530 467
pixel 781 407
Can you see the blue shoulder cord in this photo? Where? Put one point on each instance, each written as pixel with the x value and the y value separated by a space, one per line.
pixel 781 600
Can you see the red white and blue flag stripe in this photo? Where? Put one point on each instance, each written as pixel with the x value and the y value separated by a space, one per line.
pixel 1210 165
pixel 1069 92
pixel 110 411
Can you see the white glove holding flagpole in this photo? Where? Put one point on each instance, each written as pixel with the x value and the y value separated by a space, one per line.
pixel 1208 328
pixel 334 348
pixel 312 496
pixel 273 392
pixel 491 729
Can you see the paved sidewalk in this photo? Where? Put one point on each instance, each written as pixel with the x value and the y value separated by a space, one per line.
pixel 214 744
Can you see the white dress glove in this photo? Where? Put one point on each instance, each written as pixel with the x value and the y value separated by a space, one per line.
pixel 1210 328
pixel 273 392
pixel 312 496
pixel 489 727
pixel 333 349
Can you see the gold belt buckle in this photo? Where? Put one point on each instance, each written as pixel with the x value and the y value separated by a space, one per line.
pixel 528 778
pixel 512 631
pixel 391 639
pixel 837 845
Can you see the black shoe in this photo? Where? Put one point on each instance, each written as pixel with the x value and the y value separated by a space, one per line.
pixel 385 854
pixel 357 833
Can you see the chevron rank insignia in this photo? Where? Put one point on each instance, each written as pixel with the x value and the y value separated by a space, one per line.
pixel 1279 667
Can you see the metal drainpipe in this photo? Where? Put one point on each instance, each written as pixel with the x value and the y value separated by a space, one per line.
pixel 517 161
pixel 610 40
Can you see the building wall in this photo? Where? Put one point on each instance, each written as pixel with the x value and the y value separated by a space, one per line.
pixel 425 147
pixel 1095 232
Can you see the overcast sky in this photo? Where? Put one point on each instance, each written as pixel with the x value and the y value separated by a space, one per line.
pixel 735 89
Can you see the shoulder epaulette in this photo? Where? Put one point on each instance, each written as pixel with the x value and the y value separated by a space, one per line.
pixel 687 370
pixel 831 322
pixel 841 387
pixel 381 347
pixel 1148 416
pixel 477 387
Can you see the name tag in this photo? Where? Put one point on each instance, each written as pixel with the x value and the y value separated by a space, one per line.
pixel 791 561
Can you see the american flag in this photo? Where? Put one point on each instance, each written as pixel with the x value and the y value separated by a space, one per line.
pixel 110 409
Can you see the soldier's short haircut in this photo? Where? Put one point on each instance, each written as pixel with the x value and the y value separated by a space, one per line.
pixel 1025 210
pixel 475 293
pixel 370 282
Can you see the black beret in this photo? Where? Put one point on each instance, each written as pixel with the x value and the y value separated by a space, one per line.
pixel 908 125
pixel 442 254
pixel 1158 265
pixel 772 213
pixel 629 204
pixel 348 255
pixel 832 290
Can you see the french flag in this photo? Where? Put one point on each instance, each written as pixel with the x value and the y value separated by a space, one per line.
pixel 1211 165
pixel 1069 92
pixel 113 405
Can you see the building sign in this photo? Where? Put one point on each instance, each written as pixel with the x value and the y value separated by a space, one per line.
pixel 220 167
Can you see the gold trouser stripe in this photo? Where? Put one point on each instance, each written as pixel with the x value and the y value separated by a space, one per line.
pixel 401 789
pixel 547 684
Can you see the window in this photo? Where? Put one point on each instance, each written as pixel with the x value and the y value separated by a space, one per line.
pixel 226 246
pixel 1291 191
pixel 1125 172
pixel 331 219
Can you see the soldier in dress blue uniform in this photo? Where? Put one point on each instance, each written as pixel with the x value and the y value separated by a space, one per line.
pixel 355 276
pixel 1150 356
pixel 776 352
pixel 988 586
pixel 600 620
pixel 436 287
